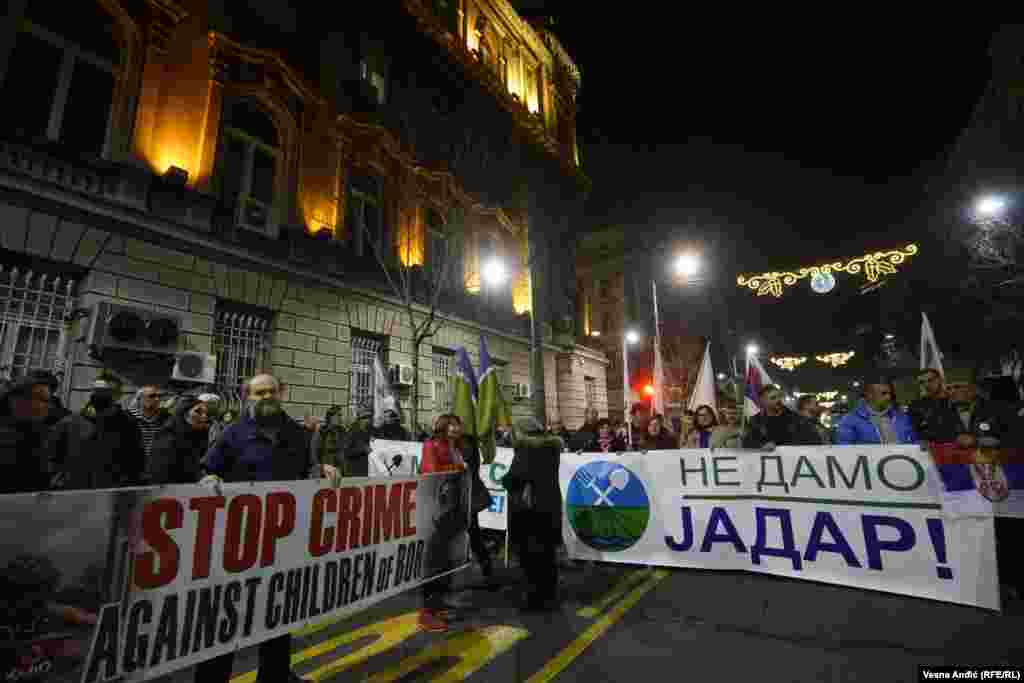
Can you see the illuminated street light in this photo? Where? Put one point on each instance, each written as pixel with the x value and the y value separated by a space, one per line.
pixel 990 206
pixel 632 337
pixel 495 272
pixel 752 349
pixel 721 376
pixel 890 336
pixel 688 265
pixel 595 333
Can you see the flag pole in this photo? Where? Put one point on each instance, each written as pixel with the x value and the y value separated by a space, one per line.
pixel 658 369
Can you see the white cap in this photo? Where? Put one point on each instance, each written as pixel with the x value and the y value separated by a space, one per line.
pixel 207 398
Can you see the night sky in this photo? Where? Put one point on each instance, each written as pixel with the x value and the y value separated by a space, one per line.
pixel 772 145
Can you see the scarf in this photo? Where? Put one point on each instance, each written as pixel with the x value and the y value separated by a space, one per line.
pixel 883 423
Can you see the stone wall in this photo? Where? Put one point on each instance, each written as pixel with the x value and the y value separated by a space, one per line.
pixel 573 368
pixel 311 336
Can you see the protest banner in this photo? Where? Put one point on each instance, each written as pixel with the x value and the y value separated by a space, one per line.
pixel 402 458
pixel 132 584
pixel 863 516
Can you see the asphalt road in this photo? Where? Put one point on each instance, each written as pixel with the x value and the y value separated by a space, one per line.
pixel 640 625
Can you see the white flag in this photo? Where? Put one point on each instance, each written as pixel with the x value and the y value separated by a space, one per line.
pixel 659 370
pixel 384 399
pixel 930 355
pixel 757 378
pixel 704 390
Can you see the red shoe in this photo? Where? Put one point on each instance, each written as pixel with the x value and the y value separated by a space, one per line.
pixel 432 622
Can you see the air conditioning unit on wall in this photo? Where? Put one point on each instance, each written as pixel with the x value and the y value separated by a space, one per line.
pixel 131 328
pixel 195 367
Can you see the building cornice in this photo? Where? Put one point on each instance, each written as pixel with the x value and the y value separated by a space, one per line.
pixel 225 49
pixel 445 185
pixel 531 126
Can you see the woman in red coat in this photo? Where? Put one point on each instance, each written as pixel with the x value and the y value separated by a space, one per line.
pixel 441 454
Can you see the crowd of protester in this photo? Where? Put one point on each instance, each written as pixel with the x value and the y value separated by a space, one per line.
pixel 193 439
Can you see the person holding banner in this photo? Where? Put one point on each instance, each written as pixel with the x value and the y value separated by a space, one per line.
pixel 264 444
pixel 777 425
pixel 535 506
pixel 441 454
pixel 481 500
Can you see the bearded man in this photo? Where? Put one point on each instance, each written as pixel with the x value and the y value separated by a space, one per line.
pixel 264 444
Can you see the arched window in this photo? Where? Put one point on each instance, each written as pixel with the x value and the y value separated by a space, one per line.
pixel 60 78
pixel 248 166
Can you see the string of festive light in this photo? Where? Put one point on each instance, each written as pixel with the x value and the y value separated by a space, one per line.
pixel 836 359
pixel 874 265
pixel 789 363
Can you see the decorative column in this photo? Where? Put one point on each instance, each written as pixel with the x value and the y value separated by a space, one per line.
pixel 211 121
pixel 158 35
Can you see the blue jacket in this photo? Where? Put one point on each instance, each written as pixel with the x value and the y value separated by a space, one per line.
pixel 857 427
pixel 245 452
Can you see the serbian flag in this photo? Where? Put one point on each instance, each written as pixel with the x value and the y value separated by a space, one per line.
pixel 756 379
pixel 980 482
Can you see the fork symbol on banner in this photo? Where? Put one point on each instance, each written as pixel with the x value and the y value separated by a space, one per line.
pixel 618 480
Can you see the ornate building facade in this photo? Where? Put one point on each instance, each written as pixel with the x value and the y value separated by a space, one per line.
pixel 258 177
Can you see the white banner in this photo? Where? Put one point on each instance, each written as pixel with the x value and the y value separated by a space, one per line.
pixel 158 579
pixel 864 516
pixel 402 458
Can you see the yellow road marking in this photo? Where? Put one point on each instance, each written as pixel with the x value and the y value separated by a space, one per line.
pixel 564 658
pixel 389 633
pixel 618 590
pixel 472 648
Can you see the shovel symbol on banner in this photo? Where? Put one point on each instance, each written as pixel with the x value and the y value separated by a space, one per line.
pixel 618 481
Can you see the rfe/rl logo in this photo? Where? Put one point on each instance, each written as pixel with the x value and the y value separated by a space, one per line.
pixel 607 506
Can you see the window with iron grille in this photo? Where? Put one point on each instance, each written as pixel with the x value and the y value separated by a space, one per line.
pixel 590 391
pixel 443 400
pixel 365 350
pixel 32 312
pixel 241 340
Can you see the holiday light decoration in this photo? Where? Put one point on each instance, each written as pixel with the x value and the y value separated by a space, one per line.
pixel 836 359
pixel 827 395
pixel 789 363
pixel 873 265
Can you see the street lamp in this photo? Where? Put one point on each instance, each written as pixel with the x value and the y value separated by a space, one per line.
pixel 687 265
pixel 991 206
pixel 495 272
pixel 752 349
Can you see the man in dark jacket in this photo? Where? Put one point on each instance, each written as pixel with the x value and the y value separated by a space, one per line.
pixel 933 416
pixel 264 444
pixel 113 455
pixel 977 415
pixel 777 425
pixel 24 453
pixel 356 444
pixel 391 428
pixel 535 506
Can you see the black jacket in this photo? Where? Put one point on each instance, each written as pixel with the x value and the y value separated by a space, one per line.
pixel 113 456
pixel 24 457
pixel 788 429
pixel 536 463
pixel 355 451
pixel 392 432
pixel 618 445
pixel 935 420
pixel 665 440
pixel 178 449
